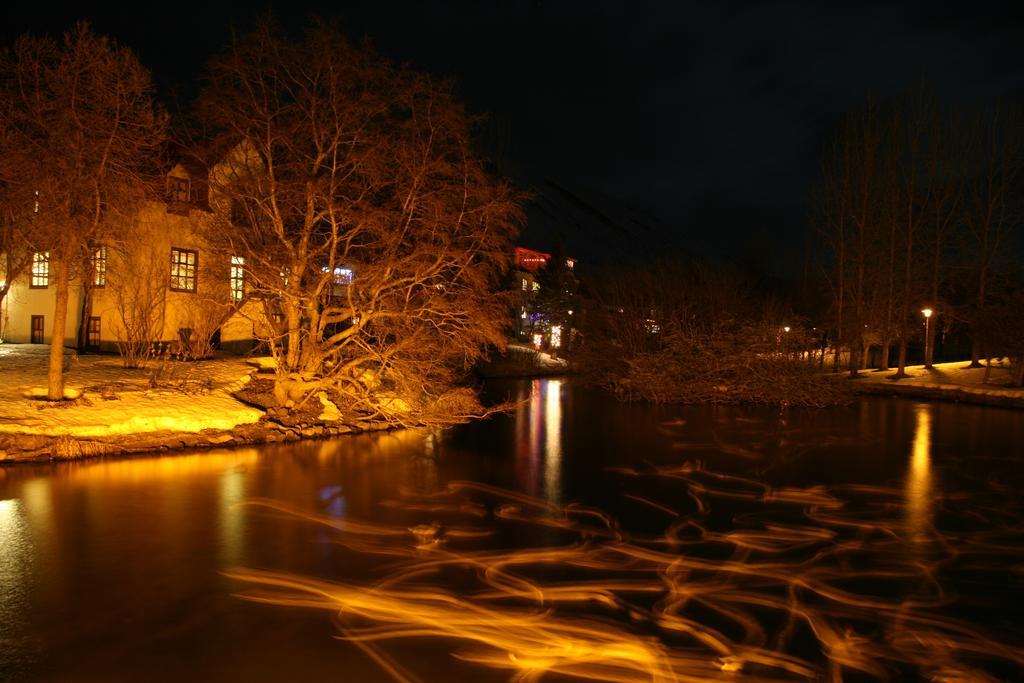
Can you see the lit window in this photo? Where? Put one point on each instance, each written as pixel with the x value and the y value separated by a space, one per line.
pixel 99 267
pixel 40 270
pixel 556 336
pixel 342 279
pixel 178 189
pixel 237 278
pixel 343 276
pixel 525 284
pixel 184 263
pixel 570 263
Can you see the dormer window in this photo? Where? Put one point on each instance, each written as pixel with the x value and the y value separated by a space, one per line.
pixel 178 189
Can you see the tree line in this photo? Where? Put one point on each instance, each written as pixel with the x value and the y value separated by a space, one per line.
pixel 374 237
pixel 921 209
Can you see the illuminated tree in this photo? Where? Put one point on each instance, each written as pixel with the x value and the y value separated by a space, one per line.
pixel 373 235
pixel 78 151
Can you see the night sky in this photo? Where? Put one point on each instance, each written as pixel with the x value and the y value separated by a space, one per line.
pixel 639 128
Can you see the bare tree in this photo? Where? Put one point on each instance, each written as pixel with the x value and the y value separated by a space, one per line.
pixel 891 191
pixel 991 207
pixel 79 149
pixel 697 333
pixel 373 234
pixel 138 286
pixel 851 220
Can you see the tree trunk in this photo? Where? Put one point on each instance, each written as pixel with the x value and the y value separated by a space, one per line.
pixel 901 368
pixel 980 306
pixel 854 357
pixel 883 362
pixel 83 325
pixel 975 349
pixel 866 357
pixel 291 314
pixel 55 375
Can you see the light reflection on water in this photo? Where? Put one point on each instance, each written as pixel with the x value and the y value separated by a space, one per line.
pixel 16 564
pixel 920 497
pixel 539 438
pixel 657 522
pixel 553 442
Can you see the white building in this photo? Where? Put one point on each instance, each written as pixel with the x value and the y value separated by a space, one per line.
pixel 162 269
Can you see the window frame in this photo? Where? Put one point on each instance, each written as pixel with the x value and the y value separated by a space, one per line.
pixel 176 183
pixel 34 275
pixel 193 277
pixel 237 278
pixel 98 260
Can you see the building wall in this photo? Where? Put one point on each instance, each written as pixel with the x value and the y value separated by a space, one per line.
pixel 23 302
pixel 140 269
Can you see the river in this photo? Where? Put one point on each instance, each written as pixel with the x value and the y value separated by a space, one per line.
pixel 574 535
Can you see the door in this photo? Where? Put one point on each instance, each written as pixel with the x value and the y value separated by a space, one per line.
pixel 37 329
pixel 92 333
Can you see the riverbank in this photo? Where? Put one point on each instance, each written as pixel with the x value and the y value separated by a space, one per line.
pixel 171 405
pixel 523 360
pixel 946 382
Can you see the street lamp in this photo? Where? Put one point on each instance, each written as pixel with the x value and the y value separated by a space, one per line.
pixel 927 313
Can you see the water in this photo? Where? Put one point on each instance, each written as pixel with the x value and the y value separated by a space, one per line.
pixel 882 539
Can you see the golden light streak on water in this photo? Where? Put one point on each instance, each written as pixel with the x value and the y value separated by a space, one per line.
pixel 694 603
pixel 919 493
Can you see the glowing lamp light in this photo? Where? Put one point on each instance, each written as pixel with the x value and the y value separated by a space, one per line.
pixel 786 328
pixel 927 312
pixel 556 336
pixel 537 341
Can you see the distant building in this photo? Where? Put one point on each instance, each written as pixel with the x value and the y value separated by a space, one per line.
pixel 531 325
pixel 530 261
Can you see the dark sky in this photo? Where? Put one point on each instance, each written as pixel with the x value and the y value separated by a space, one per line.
pixel 639 126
